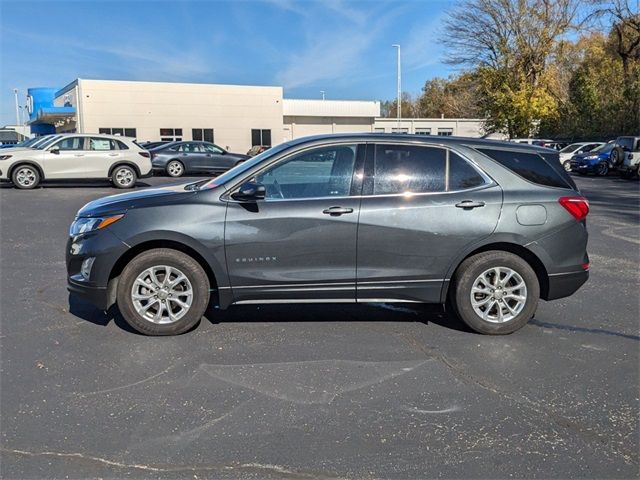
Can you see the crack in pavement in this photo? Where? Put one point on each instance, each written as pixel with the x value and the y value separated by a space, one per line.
pixel 274 469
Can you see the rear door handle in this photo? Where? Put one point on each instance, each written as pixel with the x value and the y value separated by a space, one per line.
pixel 469 204
pixel 114 154
pixel 336 211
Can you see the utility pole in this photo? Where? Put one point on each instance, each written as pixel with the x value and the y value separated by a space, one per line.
pixel 399 105
pixel 15 92
pixel 322 92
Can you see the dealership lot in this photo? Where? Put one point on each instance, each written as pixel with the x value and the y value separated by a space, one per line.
pixel 315 391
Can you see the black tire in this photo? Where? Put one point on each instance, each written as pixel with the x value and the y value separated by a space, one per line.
pixel 603 169
pixel 567 166
pixel 124 176
pixel 25 177
pixel 156 257
pixel 175 168
pixel 467 274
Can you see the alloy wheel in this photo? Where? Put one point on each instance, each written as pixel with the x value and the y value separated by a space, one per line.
pixel 124 177
pixel 175 169
pixel 162 294
pixel 498 295
pixel 26 177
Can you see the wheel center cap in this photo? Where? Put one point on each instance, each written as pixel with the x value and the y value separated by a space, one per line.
pixel 498 294
pixel 162 294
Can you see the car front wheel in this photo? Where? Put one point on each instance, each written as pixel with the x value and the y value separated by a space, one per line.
pixel 567 165
pixel 124 177
pixel 163 292
pixel 603 169
pixel 25 177
pixel 495 292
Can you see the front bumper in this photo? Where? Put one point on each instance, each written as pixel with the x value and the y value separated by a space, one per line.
pixel 98 296
pixel 583 167
pixel 106 248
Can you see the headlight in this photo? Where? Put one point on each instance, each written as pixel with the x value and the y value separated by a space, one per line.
pixel 5 157
pixel 84 224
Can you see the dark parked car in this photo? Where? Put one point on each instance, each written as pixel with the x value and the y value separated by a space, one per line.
pixel 152 145
pixel 178 158
pixel 488 227
pixel 596 161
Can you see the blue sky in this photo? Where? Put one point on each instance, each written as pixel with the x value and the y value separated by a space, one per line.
pixel 341 47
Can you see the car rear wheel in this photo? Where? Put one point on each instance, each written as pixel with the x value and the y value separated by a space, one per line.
pixel 163 292
pixel 495 292
pixel 175 168
pixel 124 177
pixel 567 166
pixel 603 169
pixel 25 177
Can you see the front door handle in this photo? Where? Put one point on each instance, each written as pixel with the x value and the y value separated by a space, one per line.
pixel 114 154
pixel 78 154
pixel 469 204
pixel 337 211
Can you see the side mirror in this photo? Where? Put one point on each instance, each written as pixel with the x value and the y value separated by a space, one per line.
pixel 55 150
pixel 250 191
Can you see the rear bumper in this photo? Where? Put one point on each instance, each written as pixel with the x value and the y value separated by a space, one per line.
pixel 565 284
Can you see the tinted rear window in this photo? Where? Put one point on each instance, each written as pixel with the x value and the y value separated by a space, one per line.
pixel 408 168
pixel 529 166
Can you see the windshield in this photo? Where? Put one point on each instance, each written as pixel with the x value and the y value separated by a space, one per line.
pixel 606 148
pixel 571 148
pixel 244 166
pixel 47 142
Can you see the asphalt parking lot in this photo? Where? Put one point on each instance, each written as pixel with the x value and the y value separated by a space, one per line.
pixel 316 391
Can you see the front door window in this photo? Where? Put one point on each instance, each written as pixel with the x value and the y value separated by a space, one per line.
pixel 317 173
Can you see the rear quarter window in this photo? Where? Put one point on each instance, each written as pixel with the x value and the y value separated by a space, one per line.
pixel 530 166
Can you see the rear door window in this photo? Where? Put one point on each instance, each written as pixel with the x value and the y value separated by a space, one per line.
pixel 409 169
pixel 101 144
pixel 530 166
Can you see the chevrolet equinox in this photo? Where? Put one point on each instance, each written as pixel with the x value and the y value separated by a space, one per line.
pixel 485 227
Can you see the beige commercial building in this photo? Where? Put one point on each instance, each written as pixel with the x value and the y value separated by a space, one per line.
pixel 233 116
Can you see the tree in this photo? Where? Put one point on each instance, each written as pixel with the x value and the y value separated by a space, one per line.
pixel 624 39
pixel 455 97
pixel 388 108
pixel 509 44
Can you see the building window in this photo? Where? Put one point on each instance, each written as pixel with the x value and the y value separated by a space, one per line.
pixel 445 132
pixel 378 129
pixel 200 134
pixel 171 134
pixel 260 137
pixel 399 130
pixel 127 132
pixel 423 131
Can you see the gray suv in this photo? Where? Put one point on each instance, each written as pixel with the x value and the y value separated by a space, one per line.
pixel 484 227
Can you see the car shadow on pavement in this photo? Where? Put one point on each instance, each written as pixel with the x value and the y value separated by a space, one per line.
pixel 287 313
pixel 86 311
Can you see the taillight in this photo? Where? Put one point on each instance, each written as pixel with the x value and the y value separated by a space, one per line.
pixel 578 207
pixel 145 154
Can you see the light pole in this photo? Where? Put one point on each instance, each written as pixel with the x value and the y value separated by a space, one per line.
pixel 322 92
pixel 399 106
pixel 15 92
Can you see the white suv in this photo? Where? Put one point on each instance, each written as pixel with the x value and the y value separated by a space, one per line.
pixel 76 156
